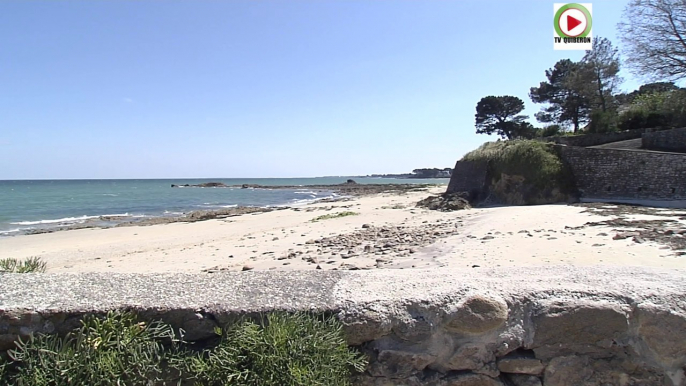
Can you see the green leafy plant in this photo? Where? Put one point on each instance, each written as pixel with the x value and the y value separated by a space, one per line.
pixel 334 215
pixel 655 110
pixel 118 349
pixel 113 350
pixel 32 264
pixel 281 349
pixel 3 371
pixel 603 122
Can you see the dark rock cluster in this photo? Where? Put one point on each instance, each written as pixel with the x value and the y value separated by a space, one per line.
pixel 445 202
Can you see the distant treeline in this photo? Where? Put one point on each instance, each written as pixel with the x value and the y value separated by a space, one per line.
pixel 419 173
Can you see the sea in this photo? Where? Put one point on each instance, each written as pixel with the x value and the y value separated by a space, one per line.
pixel 28 206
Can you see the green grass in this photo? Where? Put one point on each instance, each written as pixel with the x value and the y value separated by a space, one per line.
pixel 117 349
pixel 32 264
pixel 334 215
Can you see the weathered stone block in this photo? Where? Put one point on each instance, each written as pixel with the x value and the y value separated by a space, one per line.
pixel 664 332
pixel 567 371
pixel 399 364
pixel 524 380
pixel 470 380
pixel 199 327
pixel 7 341
pixel 413 328
pixel 364 326
pixel 560 329
pixel 529 366
pixel 478 314
pixel 470 357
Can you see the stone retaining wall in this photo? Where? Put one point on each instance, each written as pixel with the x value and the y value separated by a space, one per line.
pixel 471 177
pixel 549 326
pixel 626 174
pixel 667 140
pixel 594 139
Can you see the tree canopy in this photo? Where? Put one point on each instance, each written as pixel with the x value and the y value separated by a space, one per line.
pixel 600 69
pixel 500 115
pixel 566 102
pixel 654 34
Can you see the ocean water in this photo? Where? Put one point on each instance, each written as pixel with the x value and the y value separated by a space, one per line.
pixel 27 205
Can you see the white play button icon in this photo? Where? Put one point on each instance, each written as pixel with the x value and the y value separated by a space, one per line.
pixel 572 22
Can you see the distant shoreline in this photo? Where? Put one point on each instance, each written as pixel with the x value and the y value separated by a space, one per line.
pixel 336 192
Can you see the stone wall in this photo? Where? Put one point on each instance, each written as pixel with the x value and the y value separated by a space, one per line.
pixel 469 176
pixel 667 140
pixel 594 139
pixel 529 326
pixel 626 174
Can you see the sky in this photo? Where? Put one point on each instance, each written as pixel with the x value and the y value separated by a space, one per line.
pixel 281 88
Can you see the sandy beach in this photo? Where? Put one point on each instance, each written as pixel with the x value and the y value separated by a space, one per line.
pixel 387 232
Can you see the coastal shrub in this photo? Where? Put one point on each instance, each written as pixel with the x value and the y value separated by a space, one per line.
pixel 114 350
pixel 603 122
pixel 32 264
pixel 3 371
pixel 524 171
pixel 334 215
pixel 118 349
pixel 551 131
pixel 281 349
pixel 640 119
pixel 663 109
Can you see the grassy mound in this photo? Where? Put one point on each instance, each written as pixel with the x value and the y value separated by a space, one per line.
pixel 525 172
pixel 117 349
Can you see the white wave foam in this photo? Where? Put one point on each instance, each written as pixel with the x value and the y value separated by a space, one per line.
pixel 59 220
pixel 215 205
pixel 80 219
pixel 315 193
pixel 110 194
pixel 13 231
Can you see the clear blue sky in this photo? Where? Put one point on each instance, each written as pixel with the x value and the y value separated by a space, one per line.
pixel 155 89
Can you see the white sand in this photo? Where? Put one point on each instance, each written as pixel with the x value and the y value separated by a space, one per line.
pixel 263 240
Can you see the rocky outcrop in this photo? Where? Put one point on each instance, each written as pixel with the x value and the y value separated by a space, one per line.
pixel 445 202
pixel 202 185
pixel 548 326
pixel 516 190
